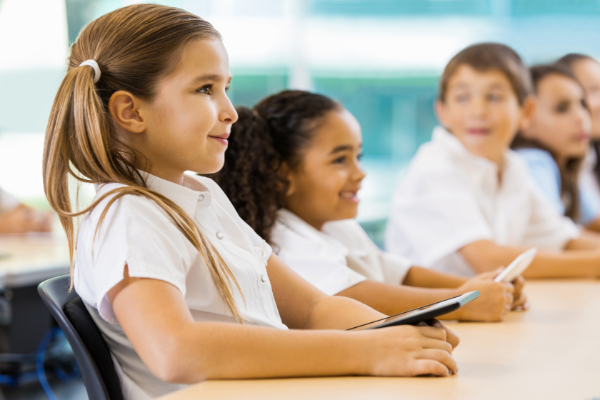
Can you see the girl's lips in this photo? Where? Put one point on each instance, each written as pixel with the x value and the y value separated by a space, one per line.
pixel 582 137
pixel 350 195
pixel 221 138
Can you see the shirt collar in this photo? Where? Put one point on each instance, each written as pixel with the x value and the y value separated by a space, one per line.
pixel 183 196
pixel 301 227
pixel 480 169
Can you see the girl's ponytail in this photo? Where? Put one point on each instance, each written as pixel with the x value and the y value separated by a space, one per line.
pixel 270 136
pixel 134 47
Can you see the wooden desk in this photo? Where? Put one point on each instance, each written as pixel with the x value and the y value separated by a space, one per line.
pixel 29 260
pixel 549 352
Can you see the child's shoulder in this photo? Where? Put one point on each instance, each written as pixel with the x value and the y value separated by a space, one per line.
pixel 432 163
pixel 128 205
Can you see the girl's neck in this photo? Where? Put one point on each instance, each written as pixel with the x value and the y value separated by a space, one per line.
pixel 168 175
pixel 318 225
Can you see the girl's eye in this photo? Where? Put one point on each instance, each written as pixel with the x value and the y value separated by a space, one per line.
pixel 359 157
pixel 562 107
pixel 340 160
pixel 207 89
pixel 461 98
pixel 227 88
pixel 494 98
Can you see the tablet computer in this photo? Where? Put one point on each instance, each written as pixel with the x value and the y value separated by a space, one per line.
pixel 421 314
pixel 517 267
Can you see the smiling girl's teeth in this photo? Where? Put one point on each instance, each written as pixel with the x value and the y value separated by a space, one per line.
pixel 348 195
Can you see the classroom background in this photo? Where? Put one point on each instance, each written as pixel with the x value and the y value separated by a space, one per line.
pixel 380 58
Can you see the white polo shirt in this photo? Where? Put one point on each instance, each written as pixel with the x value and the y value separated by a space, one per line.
pixel 137 232
pixel 450 198
pixel 336 258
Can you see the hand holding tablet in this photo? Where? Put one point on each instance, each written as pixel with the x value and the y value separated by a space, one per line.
pixel 422 314
pixel 517 267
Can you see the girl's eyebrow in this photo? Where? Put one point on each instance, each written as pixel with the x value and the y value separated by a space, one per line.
pixel 211 78
pixel 343 147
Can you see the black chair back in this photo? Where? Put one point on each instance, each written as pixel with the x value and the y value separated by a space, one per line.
pixel 90 349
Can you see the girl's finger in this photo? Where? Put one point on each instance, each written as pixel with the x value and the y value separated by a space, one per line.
pixel 430 367
pixel 427 343
pixel 439 355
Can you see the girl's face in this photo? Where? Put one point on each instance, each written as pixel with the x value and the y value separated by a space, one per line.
pixel 324 187
pixel 560 121
pixel 587 72
pixel 189 120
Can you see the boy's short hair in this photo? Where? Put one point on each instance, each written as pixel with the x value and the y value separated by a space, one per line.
pixel 568 60
pixel 490 56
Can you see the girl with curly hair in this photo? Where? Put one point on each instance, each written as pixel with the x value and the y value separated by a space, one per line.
pixel 292 172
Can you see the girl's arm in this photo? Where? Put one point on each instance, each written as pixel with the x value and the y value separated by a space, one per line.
pixel 494 302
pixel 155 318
pixel 425 277
pixel 580 259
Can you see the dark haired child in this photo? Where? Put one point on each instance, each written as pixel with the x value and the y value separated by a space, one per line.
pixel 554 141
pixel 468 203
pixel 292 172
pixel 587 71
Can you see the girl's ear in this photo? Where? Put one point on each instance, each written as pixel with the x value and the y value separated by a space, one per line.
pixel 285 172
pixel 124 108
pixel 440 112
pixel 527 122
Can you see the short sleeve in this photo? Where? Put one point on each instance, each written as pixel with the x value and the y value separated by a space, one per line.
pixel 434 214
pixel 394 267
pixel 314 260
pixel 548 229
pixel 8 202
pixel 137 233
pixel 365 257
pixel 544 172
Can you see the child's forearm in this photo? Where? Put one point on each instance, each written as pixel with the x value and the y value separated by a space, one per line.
pixel 394 299
pixel 231 351
pixel 427 278
pixel 485 256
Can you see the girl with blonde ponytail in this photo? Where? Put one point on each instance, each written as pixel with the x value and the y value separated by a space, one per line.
pixel 181 288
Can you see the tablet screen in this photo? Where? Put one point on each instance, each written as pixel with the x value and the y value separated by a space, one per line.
pixel 404 314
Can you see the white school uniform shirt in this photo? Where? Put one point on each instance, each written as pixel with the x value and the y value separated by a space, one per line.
pixel 137 232
pixel 8 202
pixel 451 197
pixel 335 258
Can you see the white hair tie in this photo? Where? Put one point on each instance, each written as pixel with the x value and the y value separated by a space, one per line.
pixel 93 64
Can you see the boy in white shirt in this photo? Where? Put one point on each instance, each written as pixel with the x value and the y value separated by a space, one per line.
pixel 467 203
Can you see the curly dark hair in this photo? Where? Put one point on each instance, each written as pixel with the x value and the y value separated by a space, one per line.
pixel 274 132
pixel 569 172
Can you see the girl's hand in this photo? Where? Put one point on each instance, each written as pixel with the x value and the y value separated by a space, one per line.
pixel 520 302
pixel 408 351
pixel 495 300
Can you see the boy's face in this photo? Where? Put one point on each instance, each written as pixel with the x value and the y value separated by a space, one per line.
pixel 482 110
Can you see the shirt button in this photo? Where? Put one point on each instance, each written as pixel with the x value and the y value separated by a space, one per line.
pixel 263 278
pixel 201 197
pixel 219 235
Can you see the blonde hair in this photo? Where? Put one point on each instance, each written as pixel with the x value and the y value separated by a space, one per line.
pixel 135 47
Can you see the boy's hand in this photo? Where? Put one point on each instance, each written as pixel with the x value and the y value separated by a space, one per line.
pixel 520 302
pixel 495 300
